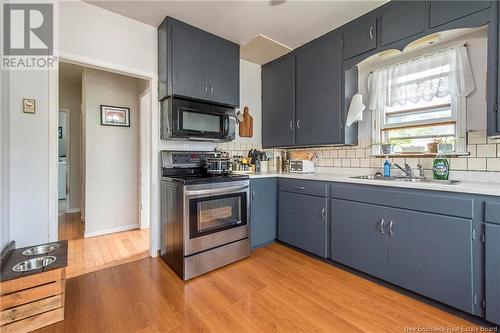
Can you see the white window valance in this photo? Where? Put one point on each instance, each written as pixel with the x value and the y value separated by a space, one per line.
pixel 443 73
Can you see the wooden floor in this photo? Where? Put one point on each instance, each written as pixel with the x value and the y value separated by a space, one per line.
pixel 95 253
pixel 87 255
pixel 70 226
pixel 275 290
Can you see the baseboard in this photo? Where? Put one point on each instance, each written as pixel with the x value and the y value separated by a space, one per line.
pixel 112 230
pixel 73 210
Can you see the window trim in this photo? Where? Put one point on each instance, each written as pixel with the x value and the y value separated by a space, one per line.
pixel 459 118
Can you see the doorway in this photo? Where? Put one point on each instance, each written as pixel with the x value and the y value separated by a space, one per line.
pixel 100 211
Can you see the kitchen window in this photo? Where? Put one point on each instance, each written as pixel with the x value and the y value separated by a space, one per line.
pixel 422 100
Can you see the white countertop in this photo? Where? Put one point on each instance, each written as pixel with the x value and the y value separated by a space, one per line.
pixel 481 188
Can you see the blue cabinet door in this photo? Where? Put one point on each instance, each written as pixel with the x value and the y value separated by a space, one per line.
pixel 278 102
pixel 432 255
pixel 493 273
pixel 224 71
pixel 318 115
pixel 442 12
pixel 402 19
pixel 263 211
pixel 358 236
pixel 360 36
pixel 303 222
pixel 189 75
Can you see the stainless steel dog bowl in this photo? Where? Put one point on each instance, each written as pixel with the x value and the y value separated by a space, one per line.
pixel 32 264
pixel 40 249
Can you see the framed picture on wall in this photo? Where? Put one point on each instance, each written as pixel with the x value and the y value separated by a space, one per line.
pixel 115 116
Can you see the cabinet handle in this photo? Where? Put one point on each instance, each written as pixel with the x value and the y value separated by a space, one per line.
pixel 302 188
pixel 291 125
pixel 381 226
pixel 206 88
pixel 371 32
pixel 298 123
pixel 211 89
pixel 323 214
pixel 253 194
pixel 391 229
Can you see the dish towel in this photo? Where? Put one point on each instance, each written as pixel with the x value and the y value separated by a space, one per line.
pixel 356 108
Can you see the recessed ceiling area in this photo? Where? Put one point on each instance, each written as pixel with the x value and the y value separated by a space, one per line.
pixel 291 23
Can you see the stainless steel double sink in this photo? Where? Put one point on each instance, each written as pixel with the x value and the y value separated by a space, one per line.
pixel 408 179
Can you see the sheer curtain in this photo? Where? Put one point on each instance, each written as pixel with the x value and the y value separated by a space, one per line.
pixel 446 72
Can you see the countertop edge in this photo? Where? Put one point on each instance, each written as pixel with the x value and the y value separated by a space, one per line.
pixel 492 189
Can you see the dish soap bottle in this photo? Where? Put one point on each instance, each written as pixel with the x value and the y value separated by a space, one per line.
pixel 440 168
pixel 387 167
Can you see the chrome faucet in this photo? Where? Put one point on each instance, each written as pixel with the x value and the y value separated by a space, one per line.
pixel 421 173
pixel 407 169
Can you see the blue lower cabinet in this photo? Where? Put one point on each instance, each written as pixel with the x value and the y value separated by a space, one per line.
pixel 358 237
pixel 263 217
pixel 493 273
pixel 432 255
pixel 303 222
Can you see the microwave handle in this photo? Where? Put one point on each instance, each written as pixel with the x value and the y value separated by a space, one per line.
pixel 230 118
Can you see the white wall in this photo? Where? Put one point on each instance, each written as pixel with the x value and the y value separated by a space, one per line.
pixel 4 159
pixel 250 95
pixel 85 33
pixel 111 155
pixel 29 164
pixel 70 98
pixel 91 32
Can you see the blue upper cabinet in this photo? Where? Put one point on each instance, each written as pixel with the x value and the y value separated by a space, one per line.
pixel 400 20
pixel 193 63
pixel 318 83
pixel 442 12
pixel 360 36
pixel 278 102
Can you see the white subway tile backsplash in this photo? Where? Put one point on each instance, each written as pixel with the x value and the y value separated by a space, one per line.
pixel 458 163
pixel 351 153
pixel 476 138
pixel 476 164
pixel 486 150
pixel 360 153
pixel 342 154
pixel 346 162
pixel 493 164
pixel 364 163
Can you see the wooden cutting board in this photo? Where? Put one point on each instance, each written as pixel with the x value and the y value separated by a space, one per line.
pixel 246 125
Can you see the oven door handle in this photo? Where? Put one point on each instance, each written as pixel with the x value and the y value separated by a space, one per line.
pixel 231 189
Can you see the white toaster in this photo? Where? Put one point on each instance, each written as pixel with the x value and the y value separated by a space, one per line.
pixel 301 166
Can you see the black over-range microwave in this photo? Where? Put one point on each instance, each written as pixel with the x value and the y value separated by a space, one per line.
pixel 183 119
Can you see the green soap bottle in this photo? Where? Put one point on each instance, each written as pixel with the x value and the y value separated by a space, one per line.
pixel 441 168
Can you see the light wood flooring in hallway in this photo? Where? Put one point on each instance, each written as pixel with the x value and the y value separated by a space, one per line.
pixel 87 255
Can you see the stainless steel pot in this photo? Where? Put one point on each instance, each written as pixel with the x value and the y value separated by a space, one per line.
pixel 217 166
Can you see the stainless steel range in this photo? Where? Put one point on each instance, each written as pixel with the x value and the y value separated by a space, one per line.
pixel 204 218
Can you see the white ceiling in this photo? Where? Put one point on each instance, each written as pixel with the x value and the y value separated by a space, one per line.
pixel 293 23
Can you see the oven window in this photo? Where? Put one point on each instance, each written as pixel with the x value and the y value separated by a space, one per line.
pixel 201 122
pixel 210 215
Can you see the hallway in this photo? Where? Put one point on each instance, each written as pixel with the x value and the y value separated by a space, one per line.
pixel 91 254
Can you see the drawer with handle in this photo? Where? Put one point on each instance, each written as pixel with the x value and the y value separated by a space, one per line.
pixel 308 187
